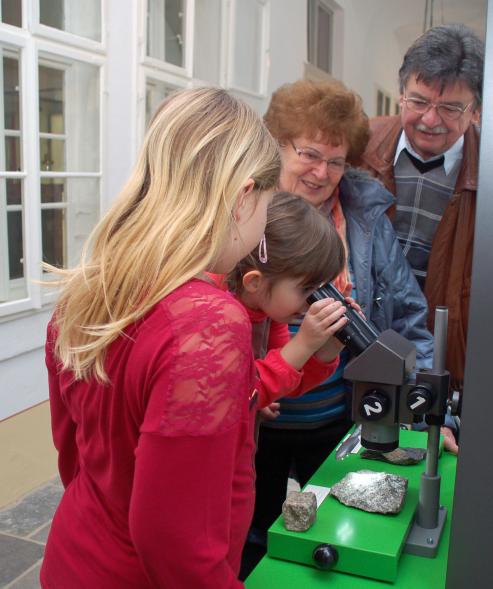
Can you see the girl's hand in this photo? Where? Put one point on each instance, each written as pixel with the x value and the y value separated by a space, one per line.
pixel 269 412
pixel 322 320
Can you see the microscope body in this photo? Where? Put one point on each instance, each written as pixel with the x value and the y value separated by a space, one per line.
pixel 387 391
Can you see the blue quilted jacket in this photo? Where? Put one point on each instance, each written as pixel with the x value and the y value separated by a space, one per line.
pixel 386 287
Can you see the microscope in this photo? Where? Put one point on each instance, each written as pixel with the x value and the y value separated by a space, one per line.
pixel 387 391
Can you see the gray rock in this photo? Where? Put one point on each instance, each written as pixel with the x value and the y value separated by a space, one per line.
pixel 377 492
pixel 400 456
pixel 299 511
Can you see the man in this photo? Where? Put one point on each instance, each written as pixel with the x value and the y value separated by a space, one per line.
pixel 428 158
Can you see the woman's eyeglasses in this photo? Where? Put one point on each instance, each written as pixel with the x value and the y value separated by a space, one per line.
pixel 313 158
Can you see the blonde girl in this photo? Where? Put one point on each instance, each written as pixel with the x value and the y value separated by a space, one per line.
pixel 150 366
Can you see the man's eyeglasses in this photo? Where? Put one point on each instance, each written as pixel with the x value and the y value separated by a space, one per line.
pixel 450 112
pixel 313 158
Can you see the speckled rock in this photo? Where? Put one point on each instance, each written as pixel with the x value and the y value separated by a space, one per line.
pixel 299 511
pixel 377 492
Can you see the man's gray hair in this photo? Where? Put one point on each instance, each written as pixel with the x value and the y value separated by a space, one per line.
pixel 446 54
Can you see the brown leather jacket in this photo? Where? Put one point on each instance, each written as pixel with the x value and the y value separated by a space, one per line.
pixel 448 280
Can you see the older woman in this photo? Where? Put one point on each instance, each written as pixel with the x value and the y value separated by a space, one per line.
pixel 322 130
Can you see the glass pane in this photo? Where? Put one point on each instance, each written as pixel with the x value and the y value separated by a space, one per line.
pixel 387 105
pixel 52 190
pixel 248 45
pixel 165 30
pixel 66 229
pixel 52 155
pixel 53 236
pixel 73 16
pixel 16 250
pixel 69 108
pixel 156 92
pixel 324 40
pixel 13 154
pixel 11 93
pixel 12 281
pixel 84 213
pixel 51 100
pixel 14 191
pixel 207 40
pixel 12 12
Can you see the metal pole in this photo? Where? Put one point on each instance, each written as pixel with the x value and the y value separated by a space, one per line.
pixel 469 562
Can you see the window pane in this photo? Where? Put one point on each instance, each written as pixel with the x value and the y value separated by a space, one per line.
pixel 156 92
pixel 387 105
pixel 16 255
pixel 66 228
pixel 14 191
pixel 165 30
pixel 10 139
pixel 11 93
pixel 12 281
pixel 52 155
pixel 69 112
pixel 12 12
pixel 52 190
pixel 324 40
pixel 54 236
pixel 248 45
pixel 84 213
pixel 207 40
pixel 51 100
pixel 13 154
pixel 73 16
pixel 379 102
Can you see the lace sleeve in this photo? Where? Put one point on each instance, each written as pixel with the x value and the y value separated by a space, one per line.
pixel 204 375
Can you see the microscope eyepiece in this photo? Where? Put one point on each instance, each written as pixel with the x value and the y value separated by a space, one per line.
pixel 357 334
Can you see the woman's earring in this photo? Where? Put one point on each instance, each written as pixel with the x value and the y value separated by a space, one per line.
pixel 262 250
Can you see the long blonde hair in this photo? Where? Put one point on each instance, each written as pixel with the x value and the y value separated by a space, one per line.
pixel 169 223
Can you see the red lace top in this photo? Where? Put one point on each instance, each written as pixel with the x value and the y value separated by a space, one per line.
pixel 157 466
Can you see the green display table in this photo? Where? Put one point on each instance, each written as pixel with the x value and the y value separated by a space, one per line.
pixel 411 572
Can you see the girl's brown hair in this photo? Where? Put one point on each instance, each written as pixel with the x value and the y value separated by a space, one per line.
pixel 301 243
pixel 323 110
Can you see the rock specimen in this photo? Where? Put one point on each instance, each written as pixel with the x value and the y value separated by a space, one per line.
pixel 401 456
pixel 299 511
pixel 377 492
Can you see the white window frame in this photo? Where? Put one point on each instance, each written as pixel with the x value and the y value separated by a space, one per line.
pixel 65 37
pixel 30 46
pixel 150 68
pixel 337 40
pixel 155 64
pixel 264 51
pixel 387 97
pixel 7 285
pixel 149 74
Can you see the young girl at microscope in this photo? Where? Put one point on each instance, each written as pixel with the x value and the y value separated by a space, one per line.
pixel 300 251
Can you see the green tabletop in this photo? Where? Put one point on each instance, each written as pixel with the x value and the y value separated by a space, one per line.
pixel 414 572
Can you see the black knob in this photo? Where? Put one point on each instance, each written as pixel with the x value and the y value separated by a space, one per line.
pixel 325 556
pixel 419 399
pixel 374 405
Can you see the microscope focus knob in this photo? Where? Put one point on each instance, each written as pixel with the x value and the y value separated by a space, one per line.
pixel 325 556
pixel 374 405
pixel 420 399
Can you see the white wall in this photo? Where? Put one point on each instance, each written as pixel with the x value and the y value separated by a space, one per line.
pixel 23 381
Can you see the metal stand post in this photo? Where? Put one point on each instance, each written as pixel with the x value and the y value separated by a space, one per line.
pixel 424 537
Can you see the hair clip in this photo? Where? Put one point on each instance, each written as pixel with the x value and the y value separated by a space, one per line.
pixel 262 250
